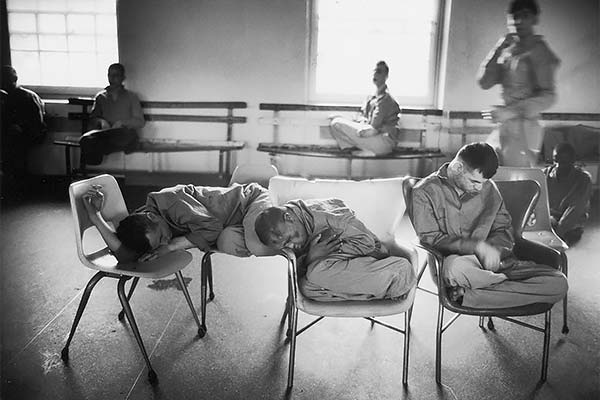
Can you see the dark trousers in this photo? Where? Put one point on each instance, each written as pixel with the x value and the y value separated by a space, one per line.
pixel 95 144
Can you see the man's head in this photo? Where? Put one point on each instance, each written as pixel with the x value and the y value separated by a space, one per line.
pixel 9 78
pixel 564 156
pixel 474 164
pixel 380 73
pixel 116 74
pixel 278 228
pixel 143 232
pixel 522 16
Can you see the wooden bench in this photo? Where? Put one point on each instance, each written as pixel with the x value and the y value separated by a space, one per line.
pixel 471 123
pixel 158 145
pixel 275 148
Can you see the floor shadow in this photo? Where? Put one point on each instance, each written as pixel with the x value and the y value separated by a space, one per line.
pixel 164 284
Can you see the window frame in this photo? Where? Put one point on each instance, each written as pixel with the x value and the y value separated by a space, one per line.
pixel 435 77
pixel 60 90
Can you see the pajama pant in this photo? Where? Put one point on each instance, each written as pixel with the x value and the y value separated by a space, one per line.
pixel 97 143
pixel 520 284
pixel 345 132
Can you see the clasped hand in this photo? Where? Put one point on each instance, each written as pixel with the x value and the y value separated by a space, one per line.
pixel 488 256
pixel 93 200
pixel 154 254
pixel 322 245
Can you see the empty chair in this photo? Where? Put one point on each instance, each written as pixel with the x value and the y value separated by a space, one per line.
pixel 107 265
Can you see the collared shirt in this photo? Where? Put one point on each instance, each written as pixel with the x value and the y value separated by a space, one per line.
pixel 569 196
pixel 381 111
pixel 454 224
pixel 24 108
pixel 125 108
pixel 526 76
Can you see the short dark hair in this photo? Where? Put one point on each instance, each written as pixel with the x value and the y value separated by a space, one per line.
pixel 480 156
pixel 566 148
pixel 132 232
pixel 384 65
pixel 118 66
pixel 266 223
pixel 520 5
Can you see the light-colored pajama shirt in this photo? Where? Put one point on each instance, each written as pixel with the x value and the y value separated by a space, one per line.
pixel 527 79
pixel 454 225
pixel 362 270
pixel 202 213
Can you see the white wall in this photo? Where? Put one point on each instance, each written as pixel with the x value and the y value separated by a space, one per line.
pixel 256 51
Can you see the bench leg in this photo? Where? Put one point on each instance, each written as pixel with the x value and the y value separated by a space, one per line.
pixel 68 169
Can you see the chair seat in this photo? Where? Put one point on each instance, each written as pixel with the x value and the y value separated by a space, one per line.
pixel 355 308
pixel 546 237
pixel 166 265
pixel 530 309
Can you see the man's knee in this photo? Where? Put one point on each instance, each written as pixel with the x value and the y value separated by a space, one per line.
pixel 457 269
pixel 403 277
pixel 231 241
pixel 555 285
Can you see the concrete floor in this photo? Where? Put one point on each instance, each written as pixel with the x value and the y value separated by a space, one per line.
pixel 244 354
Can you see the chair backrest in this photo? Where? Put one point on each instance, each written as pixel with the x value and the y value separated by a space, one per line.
pixel 520 198
pixel 407 188
pixel 114 205
pixel 378 203
pixel 259 173
pixel 542 208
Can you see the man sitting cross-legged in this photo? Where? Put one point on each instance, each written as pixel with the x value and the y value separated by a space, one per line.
pixel 180 217
pixel 460 212
pixel 339 258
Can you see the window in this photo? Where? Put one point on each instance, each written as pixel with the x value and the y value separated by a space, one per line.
pixel 348 37
pixel 62 42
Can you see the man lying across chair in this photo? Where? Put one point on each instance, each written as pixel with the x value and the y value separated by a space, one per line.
pixel 179 217
pixel 458 211
pixel 339 258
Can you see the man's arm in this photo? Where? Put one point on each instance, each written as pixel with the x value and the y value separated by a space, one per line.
pixel 97 114
pixel 93 202
pixel 136 121
pixel 490 71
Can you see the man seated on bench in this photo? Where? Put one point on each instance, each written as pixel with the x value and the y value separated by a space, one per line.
pixel 339 258
pixel 179 217
pixel 375 132
pixel 116 114
pixel 458 211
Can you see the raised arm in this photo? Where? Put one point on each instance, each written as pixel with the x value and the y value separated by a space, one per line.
pixel 93 202
pixel 490 71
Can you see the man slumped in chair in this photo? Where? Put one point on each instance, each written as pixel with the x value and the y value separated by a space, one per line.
pixel 179 217
pixel 460 212
pixel 339 258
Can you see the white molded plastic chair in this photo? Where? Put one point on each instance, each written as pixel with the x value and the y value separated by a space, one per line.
pixel 259 173
pixel 107 265
pixel 379 204
pixel 540 229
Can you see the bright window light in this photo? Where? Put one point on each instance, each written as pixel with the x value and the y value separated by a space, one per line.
pixel 350 36
pixel 63 42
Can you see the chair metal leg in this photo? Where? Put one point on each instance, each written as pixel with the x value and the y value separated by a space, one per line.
pixel 209 274
pixel 407 318
pixel 545 354
pixel 481 319
pixel 184 289
pixel 131 289
pixel 565 270
pixel 64 354
pixel 203 279
pixel 136 332
pixel 438 345
pixel 294 326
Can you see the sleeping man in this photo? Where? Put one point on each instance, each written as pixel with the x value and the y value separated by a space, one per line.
pixel 339 258
pixel 179 217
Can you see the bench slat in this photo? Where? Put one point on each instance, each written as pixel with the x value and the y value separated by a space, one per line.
pixel 333 151
pixel 194 118
pixel 169 145
pixel 194 104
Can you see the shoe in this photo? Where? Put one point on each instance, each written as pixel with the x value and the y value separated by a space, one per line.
pixel 455 294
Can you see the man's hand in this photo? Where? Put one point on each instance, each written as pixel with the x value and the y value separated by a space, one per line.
pixel 118 124
pixel 506 41
pixel 154 254
pixel 367 132
pixel 488 256
pixel 103 124
pixel 93 201
pixel 499 114
pixel 321 246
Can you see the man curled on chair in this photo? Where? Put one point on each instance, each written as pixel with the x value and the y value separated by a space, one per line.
pixel 177 218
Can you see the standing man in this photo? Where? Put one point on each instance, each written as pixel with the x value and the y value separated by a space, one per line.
pixel 117 114
pixel 524 65
pixel 375 132
pixel 23 126
pixel 569 192
pixel 458 211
